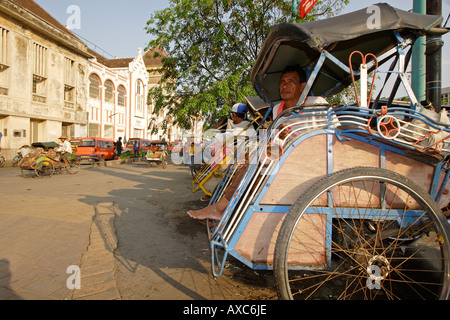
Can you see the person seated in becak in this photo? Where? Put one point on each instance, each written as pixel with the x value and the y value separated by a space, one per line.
pixel 231 141
pixel 292 83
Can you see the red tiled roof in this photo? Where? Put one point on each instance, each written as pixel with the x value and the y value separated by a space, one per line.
pixel 150 60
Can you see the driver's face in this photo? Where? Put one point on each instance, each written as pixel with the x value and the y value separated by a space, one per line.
pixel 291 87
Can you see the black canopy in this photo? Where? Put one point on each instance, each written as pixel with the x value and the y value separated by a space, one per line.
pixel 369 30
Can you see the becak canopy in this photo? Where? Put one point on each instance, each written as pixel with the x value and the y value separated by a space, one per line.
pixel 370 30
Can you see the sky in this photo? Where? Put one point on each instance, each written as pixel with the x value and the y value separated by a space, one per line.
pixel 116 28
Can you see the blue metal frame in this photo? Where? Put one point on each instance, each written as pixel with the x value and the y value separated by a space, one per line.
pixel 226 247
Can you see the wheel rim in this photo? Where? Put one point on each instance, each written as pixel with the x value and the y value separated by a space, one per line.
pixel 73 166
pixel 44 169
pixel 403 258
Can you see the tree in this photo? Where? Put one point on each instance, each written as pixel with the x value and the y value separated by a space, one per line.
pixel 211 47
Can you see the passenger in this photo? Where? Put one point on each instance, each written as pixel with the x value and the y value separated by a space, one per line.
pixel 240 129
pixel 237 133
pixel 24 150
pixel 291 85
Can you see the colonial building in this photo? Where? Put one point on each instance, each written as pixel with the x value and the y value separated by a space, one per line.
pixel 445 96
pixel 43 77
pixel 52 84
pixel 118 97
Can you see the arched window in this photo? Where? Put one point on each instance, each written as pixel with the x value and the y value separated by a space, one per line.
pixel 121 99
pixel 109 94
pixel 94 87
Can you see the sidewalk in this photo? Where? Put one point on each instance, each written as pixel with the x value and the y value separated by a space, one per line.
pixel 42 236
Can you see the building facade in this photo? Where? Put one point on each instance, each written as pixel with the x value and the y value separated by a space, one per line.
pixel 445 96
pixel 43 77
pixel 52 84
pixel 117 97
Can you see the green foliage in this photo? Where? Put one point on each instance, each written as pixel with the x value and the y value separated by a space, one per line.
pixel 211 47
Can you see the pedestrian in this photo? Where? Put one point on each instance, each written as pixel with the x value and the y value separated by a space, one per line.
pixel 136 149
pixel 119 147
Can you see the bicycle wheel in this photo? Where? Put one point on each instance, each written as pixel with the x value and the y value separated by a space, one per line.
pixel 195 168
pixel 27 173
pixel 16 160
pixel 44 169
pixel 73 165
pixel 363 233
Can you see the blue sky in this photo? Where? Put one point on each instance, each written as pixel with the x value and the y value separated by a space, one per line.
pixel 117 26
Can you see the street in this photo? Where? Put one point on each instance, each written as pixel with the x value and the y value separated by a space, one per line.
pixel 118 232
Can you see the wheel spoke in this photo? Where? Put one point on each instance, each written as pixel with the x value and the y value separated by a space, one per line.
pixel 385 241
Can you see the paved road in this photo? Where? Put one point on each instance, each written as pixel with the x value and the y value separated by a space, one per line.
pixel 112 233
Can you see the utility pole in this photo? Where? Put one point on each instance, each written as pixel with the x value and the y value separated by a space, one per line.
pixel 418 57
pixel 433 59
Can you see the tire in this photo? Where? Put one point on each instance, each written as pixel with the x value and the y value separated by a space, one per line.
pixel 44 169
pixel 16 160
pixel 102 161
pixel 402 258
pixel 27 173
pixel 73 166
pixel 195 168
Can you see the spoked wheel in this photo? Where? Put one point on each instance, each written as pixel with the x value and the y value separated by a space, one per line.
pixel 16 160
pixel 2 161
pixel 73 165
pixel 195 168
pixel 363 233
pixel 27 173
pixel 44 169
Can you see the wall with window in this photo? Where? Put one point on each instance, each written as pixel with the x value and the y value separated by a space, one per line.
pixel 43 77
pixel 117 97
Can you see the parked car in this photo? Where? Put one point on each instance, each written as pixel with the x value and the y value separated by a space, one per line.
pixel 178 147
pixel 159 145
pixel 176 144
pixel 143 144
pixel 74 142
pixel 93 149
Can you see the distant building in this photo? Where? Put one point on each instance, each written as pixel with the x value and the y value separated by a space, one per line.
pixel 117 102
pixel 52 84
pixel 43 77
pixel 117 97
pixel 445 96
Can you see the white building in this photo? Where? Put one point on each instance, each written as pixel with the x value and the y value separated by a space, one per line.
pixel 52 84
pixel 118 97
